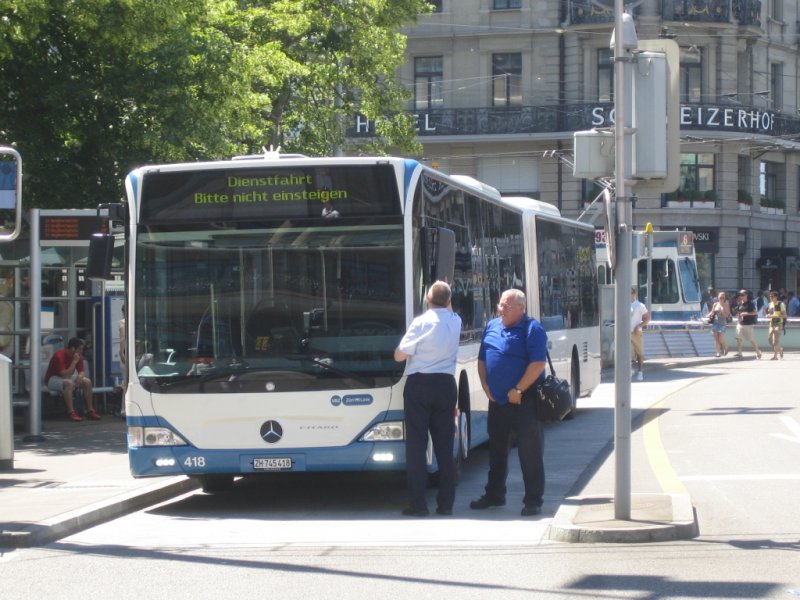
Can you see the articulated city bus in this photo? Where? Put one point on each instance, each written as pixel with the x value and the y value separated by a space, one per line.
pixel 266 296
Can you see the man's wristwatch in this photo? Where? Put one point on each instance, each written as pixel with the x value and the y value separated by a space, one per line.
pixel 519 391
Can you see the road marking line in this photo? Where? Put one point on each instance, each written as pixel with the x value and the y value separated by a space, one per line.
pixel 667 477
pixel 752 477
pixel 656 454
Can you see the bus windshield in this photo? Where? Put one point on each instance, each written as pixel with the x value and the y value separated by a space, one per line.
pixel 269 308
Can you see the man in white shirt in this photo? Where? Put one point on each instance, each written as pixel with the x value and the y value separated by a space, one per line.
pixel 431 347
pixel 640 317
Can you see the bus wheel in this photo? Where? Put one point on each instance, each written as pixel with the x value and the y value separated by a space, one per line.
pixel 213 484
pixel 461 450
pixel 574 388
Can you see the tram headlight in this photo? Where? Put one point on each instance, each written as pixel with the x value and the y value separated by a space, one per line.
pixel 153 436
pixel 389 431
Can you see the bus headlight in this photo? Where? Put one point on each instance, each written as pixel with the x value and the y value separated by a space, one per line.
pixel 390 431
pixel 153 436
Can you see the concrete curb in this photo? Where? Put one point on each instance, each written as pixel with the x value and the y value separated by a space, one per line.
pixel 44 532
pixel 654 518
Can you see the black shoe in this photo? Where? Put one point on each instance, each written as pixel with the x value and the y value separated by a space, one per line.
pixel 529 511
pixel 445 512
pixel 485 502
pixel 415 512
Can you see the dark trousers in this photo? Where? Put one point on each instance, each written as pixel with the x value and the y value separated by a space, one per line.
pixel 430 402
pixel 529 432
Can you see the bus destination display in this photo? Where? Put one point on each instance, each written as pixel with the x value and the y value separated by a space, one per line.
pixel 294 192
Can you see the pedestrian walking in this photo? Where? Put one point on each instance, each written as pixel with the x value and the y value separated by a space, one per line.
pixel 640 317
pixel 718 318
pixel 776 312
pixel 747 316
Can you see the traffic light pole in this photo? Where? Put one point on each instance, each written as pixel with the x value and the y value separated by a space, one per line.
pixel 622 233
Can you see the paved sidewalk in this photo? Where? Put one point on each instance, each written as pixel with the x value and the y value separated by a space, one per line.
pixel 79 476
pixel 76 478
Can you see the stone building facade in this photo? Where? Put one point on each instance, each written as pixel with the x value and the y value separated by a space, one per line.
pixel 500 86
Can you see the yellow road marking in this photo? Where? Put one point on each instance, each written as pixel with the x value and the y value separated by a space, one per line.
pixel 656 455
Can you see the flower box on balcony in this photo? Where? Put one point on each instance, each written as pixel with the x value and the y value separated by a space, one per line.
pixel 703 204
pixel 743 197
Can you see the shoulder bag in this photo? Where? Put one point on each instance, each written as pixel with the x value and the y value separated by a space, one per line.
pixel 552 397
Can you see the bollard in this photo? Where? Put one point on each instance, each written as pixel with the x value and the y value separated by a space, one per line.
pixel 6 415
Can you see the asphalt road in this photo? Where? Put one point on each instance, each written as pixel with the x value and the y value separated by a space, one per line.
pixel 728 434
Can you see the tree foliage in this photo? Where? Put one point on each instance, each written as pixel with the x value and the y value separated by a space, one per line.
pixel 93 88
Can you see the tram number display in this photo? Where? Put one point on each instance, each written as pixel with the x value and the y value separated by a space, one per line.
pixel 272 464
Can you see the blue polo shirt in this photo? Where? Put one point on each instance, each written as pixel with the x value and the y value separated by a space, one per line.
pixel 507 352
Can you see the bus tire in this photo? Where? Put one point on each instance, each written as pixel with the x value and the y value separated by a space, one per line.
pixel 214 484
pixel 462 427
pixel 574 387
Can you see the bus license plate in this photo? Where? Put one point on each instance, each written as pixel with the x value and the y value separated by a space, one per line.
pixel 272 464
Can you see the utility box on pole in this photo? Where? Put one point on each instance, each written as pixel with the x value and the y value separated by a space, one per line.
pixel 653 92
pixel 594 154
pixel 650 74
pixel 656 116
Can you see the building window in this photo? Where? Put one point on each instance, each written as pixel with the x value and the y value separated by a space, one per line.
pixel 507 79
pixel 502 4
pixel 691 74
pixel 428 76
pixel 768 181
pixel 697 179
pixel 437 5
pixel 776 10
pixel 605 75
pixel 743 166
pixel 798 189
pixel 776 85
pixel 591 191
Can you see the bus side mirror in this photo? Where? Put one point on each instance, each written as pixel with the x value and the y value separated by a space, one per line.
pixel 10 194
pixel 439 254
pixel 101 254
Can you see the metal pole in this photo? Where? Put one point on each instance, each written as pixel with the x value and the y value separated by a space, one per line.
pixel 649 237
pixel 35 404
pixel 622 349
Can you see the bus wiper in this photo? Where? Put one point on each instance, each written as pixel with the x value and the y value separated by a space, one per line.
pixel 208 374
pixel 368 381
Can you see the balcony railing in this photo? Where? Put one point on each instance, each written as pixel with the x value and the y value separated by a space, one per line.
pixel 734 118
pixel 714 11
pixel 744 12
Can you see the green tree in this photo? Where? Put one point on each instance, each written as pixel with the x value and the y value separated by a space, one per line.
pixel 93 88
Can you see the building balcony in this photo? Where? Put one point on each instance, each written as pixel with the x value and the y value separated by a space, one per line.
pixel 567 118
pixel 711 11
pixel 744 12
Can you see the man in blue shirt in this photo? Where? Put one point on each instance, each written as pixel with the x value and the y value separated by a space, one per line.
pixel 512 359
pixel 431 347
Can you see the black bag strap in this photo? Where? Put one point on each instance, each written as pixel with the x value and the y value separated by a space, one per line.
pixel 550 362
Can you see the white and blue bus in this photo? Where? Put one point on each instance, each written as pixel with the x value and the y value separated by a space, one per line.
pixel 266 296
